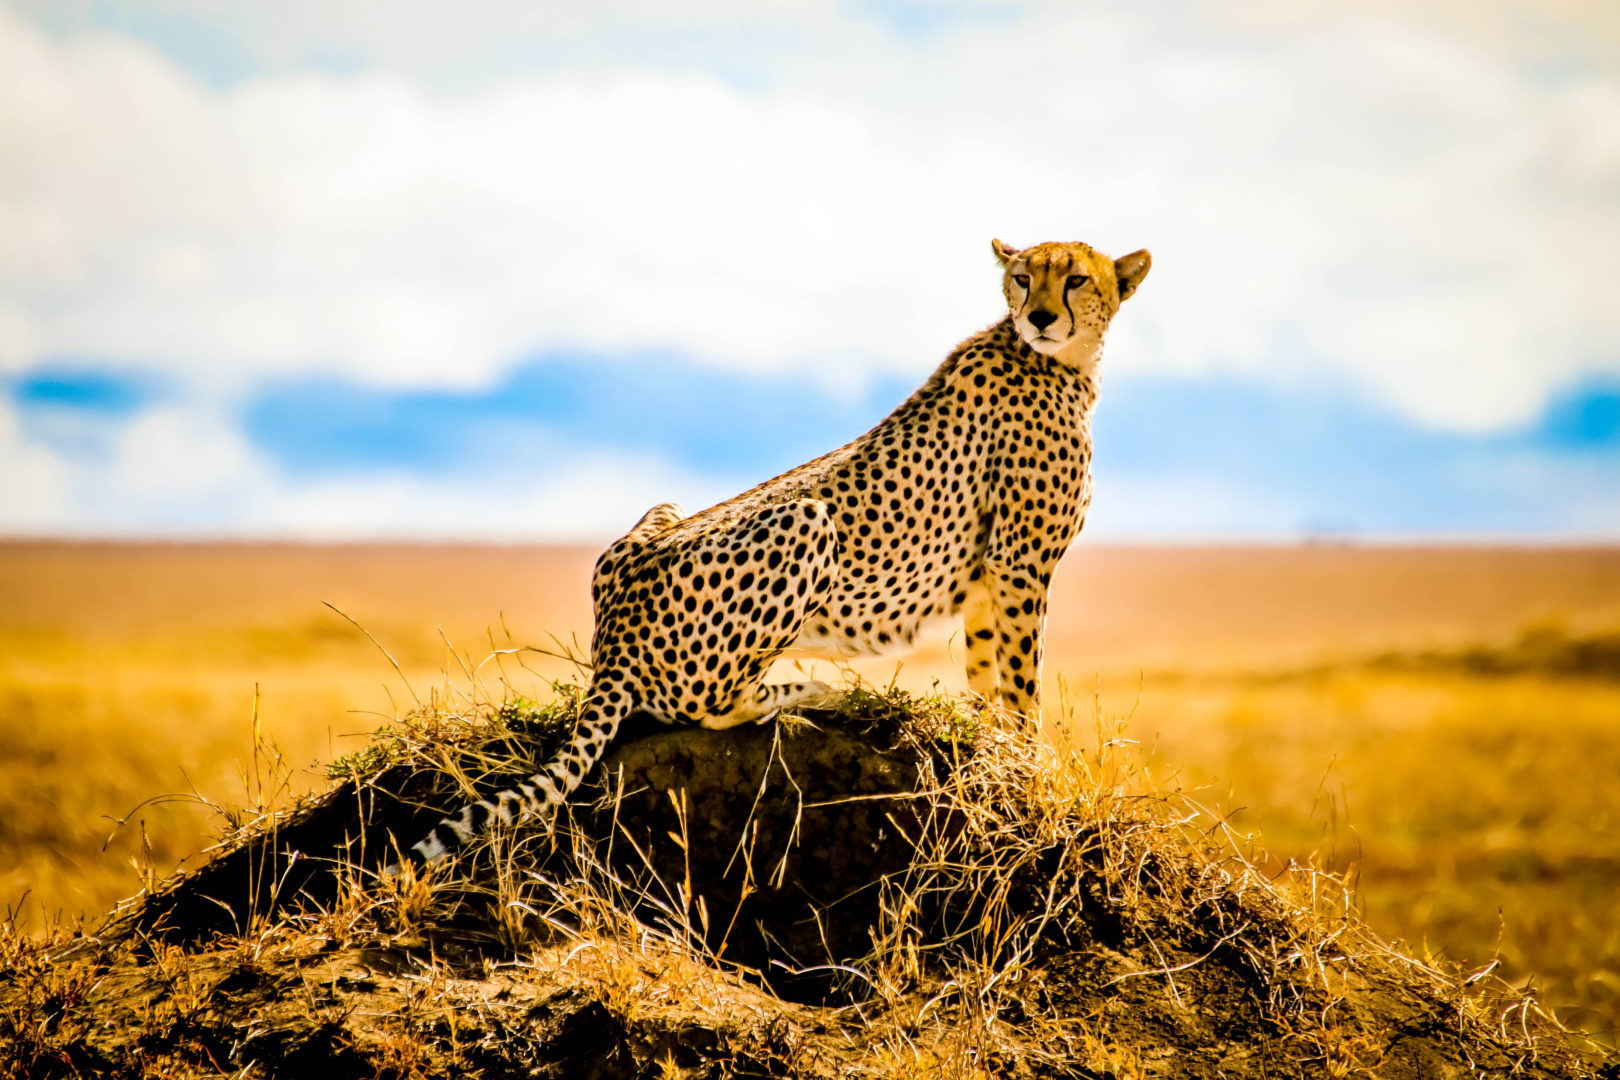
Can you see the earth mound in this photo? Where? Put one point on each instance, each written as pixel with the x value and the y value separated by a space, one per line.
pixel 897 887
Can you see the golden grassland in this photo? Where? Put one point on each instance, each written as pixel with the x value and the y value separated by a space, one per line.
pixel 1405 715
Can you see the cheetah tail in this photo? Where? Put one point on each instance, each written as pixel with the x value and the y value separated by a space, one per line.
pixel 537 796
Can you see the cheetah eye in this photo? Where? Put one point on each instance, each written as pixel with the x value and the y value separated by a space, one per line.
pixel 1022 279
pixel 1076 280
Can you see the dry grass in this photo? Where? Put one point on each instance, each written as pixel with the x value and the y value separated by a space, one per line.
pixel 1022 852
pixel 1325 698
pixel 1476 815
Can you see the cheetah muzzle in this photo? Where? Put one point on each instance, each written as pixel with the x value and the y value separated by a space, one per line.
pixel 961 501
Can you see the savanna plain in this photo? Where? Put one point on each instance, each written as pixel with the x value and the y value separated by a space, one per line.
pixel 1439 725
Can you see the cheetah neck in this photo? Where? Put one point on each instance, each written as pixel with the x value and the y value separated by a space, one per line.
pixel 1081 358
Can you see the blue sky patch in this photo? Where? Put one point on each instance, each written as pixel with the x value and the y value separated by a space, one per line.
pixel 1585 418
pixel 706 420
pixel 920 21
pixel 78 411
pixel 86 390
pixel 1324 458
pixel 200 45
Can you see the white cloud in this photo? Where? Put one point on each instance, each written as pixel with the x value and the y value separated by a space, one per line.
pixel 33 481
pixel 1134 507
pixel 1359 196
pixel 362 226
pixel 585 497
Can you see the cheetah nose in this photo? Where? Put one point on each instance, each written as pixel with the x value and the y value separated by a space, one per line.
pixel 1041 318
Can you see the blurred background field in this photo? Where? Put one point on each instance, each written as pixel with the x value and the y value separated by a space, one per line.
pixel 1442 724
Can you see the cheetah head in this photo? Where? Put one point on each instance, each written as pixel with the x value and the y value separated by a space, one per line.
pixel 1062 296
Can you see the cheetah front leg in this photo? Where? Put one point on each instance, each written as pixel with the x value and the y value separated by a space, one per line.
pixel 1020 610
pixel 979 626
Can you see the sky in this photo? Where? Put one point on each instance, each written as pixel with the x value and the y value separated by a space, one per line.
pixel 515 270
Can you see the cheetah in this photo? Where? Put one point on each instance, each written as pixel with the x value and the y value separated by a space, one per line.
pixel 961 501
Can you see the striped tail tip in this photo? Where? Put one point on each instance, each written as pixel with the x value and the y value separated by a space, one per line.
pixel 475 819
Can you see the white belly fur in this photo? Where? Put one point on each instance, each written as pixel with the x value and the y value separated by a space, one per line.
pixel 837 645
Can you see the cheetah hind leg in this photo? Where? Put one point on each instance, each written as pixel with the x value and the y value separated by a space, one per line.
pixel 764 703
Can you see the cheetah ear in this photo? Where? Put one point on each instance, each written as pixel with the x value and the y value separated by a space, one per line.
pixel 1129 270
pixel 1004 254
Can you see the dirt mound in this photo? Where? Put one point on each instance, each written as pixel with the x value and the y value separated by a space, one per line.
pixel 897 888
pixel 788 830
